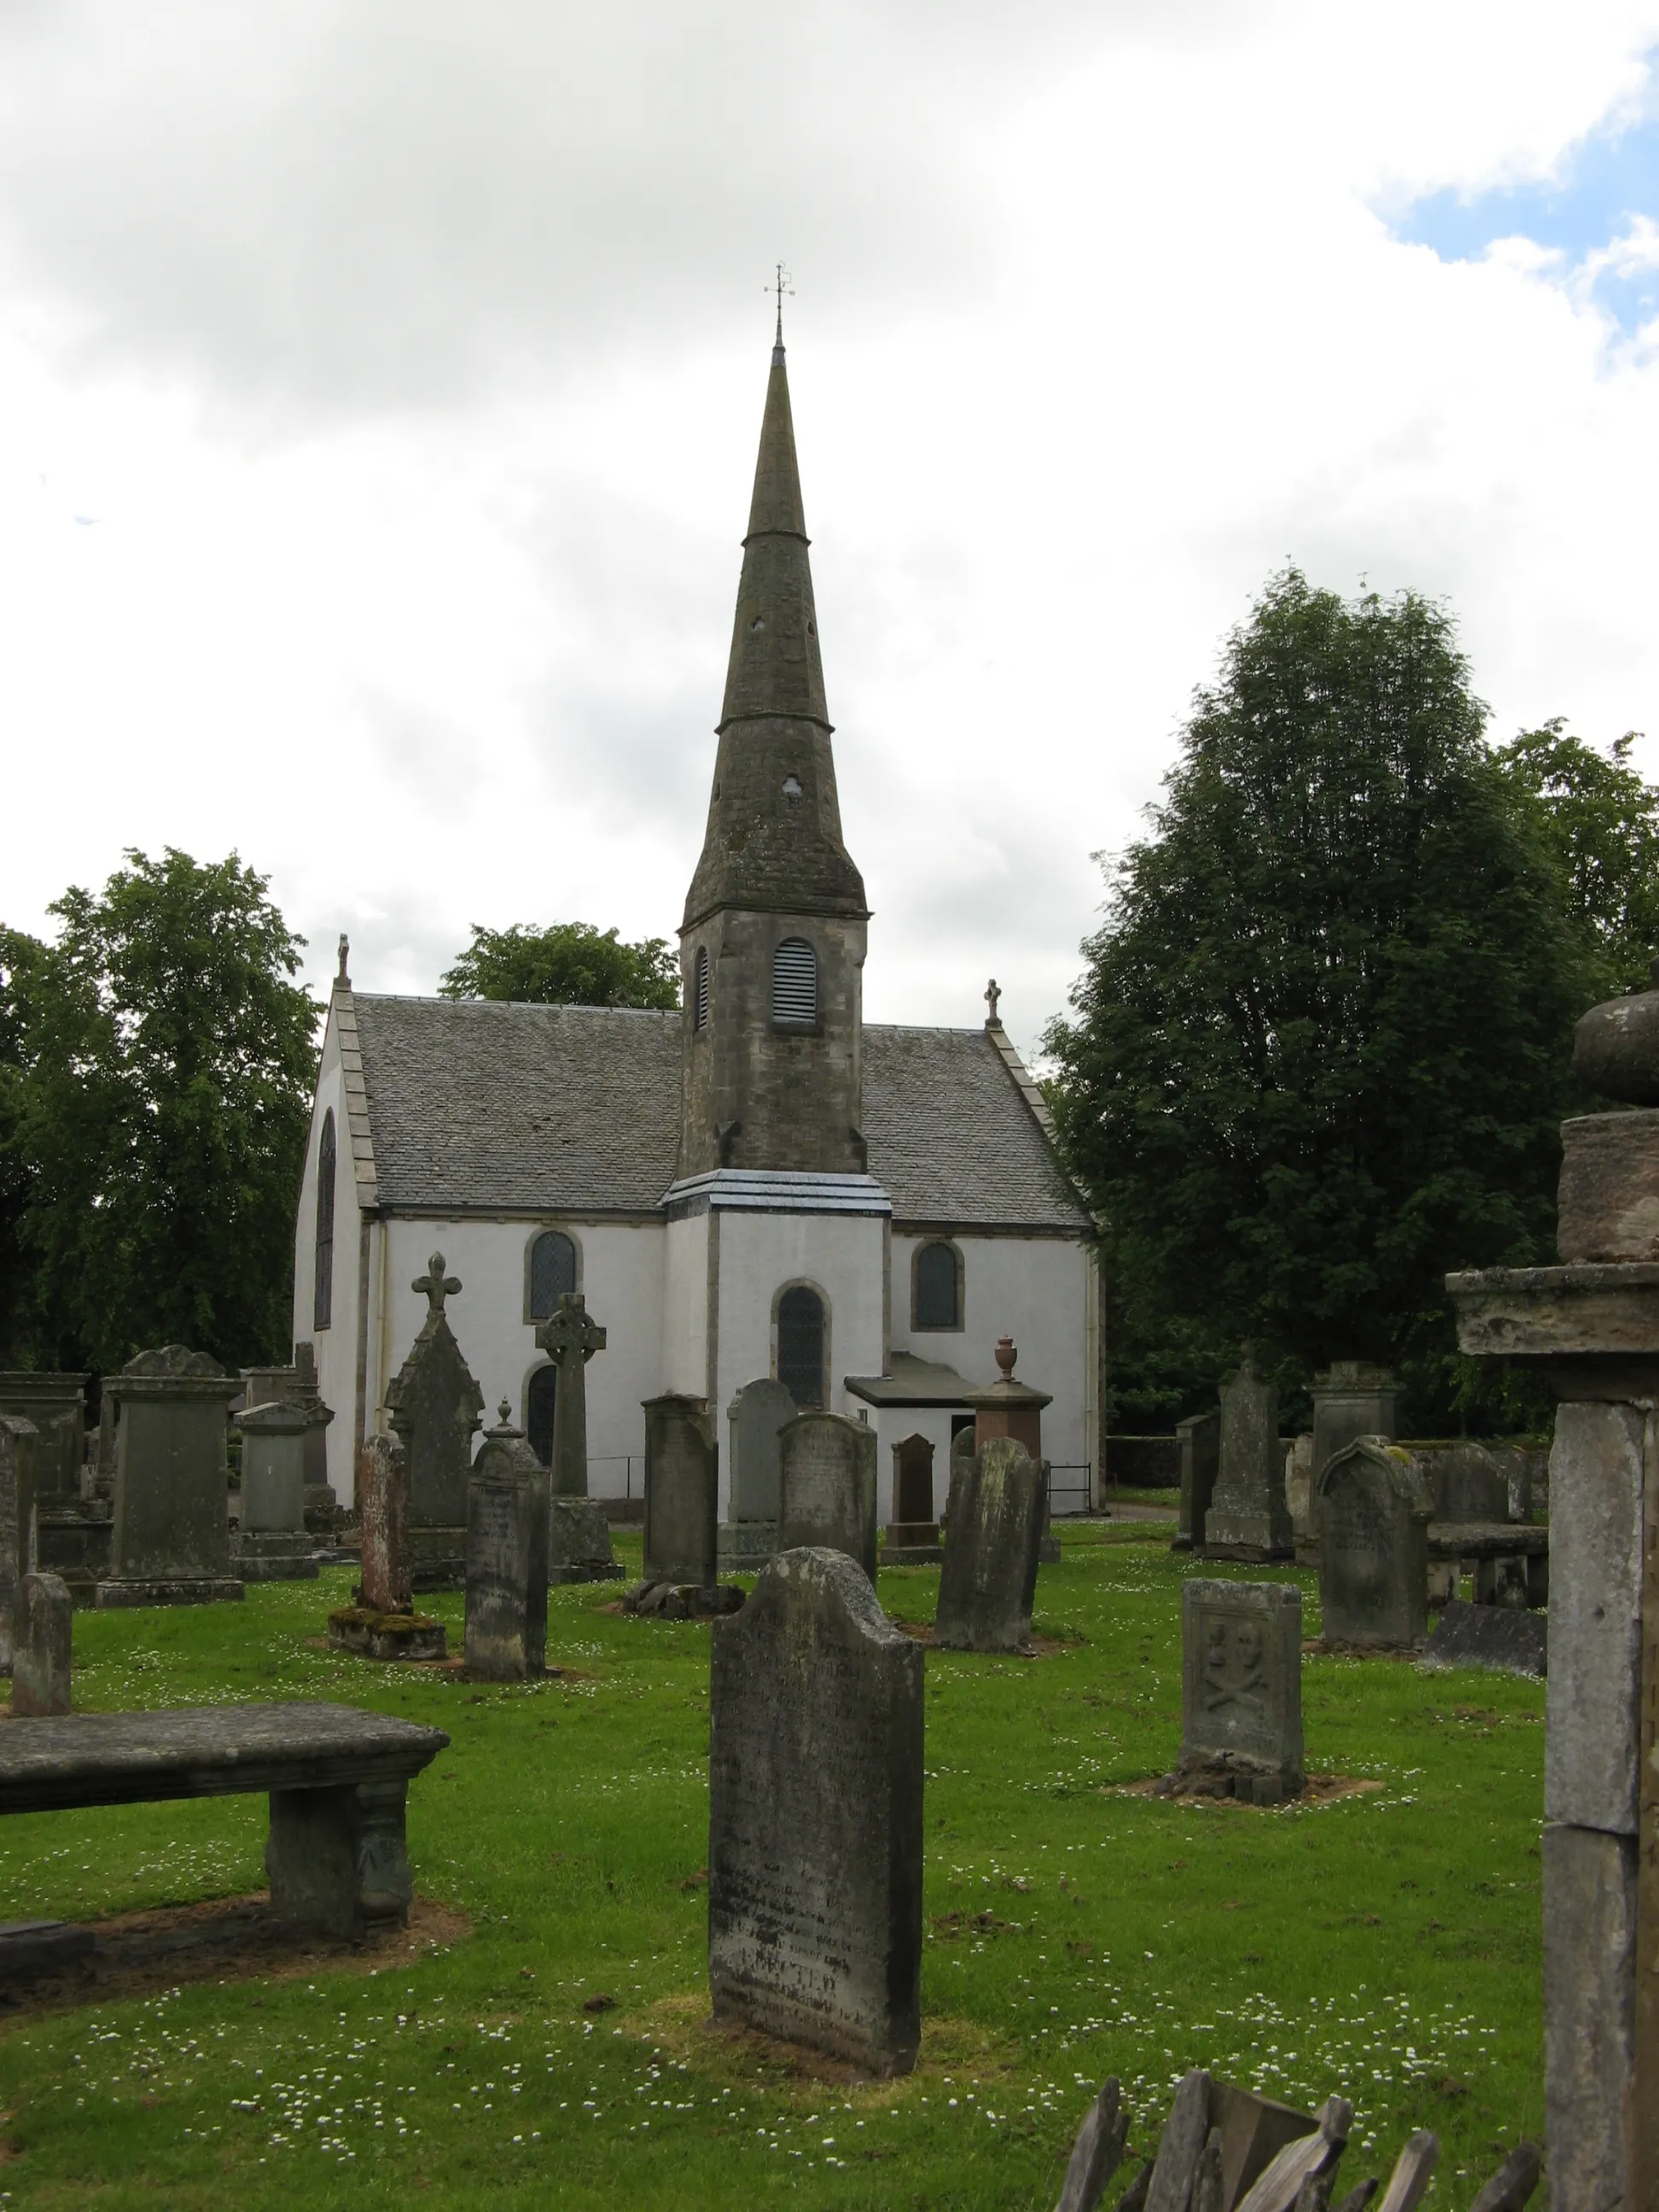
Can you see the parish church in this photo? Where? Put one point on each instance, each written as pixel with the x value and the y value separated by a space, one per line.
pixel 759 1185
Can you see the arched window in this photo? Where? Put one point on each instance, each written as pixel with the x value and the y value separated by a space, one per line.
pixel 794 984
pixel 800 1346
pixel 552 1269
pixel 937 1287
pixel 322 1300
pixel 538 1412
pixel 700 990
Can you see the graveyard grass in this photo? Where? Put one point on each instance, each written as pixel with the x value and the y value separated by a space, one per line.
pixel 1385 1945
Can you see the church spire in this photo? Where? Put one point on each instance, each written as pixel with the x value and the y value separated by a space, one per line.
pixel 773 839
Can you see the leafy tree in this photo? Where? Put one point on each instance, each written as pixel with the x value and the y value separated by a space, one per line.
pixel 1600 822
pixel 23 961
pixel 1320 1045
pixel 570 963
pixel 162 1107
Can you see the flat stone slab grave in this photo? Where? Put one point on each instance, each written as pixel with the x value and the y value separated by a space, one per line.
pixel 1498 1637
pixel 338 1779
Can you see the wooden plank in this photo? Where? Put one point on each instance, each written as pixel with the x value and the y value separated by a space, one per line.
pixel 1096 2151
pixel 1209 2185
pixel 1277 2189
pixel 1181 2146
pixel 1642 2103
pixel 1408 2185
pixel 1513 2183
pixel 1358 2199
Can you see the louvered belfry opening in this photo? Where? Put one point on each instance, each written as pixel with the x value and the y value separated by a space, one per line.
pixel 552 1269
pixel 795 984
pixel 800 1347
pixel 700 990
pixel 322 1303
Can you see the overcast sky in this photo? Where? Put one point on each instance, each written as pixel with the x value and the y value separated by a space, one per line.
pixel 379 382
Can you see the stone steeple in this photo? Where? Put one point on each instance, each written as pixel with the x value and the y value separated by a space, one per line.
pixel 772 945
pixel 774 837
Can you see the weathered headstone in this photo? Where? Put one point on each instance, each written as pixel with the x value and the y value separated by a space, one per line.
pixel 1351 1399
pixel 56 1404
pixel 387 1583
pixel 988 1585
pixel 433 1405
pixel 18 1440
pixel 1299 1488
pixel 1241 1691
pixel 1470 1483
pixel 270 1544
pixel 1010 1407
pixel 570 1337
pixel 1198 1443
pixel 1247 1517
pixel 322 1506
pixel 815 1816
pixel 1495 1637
pixel 42 1647
pixel 506 1558
pixel 828 1486
pixel 748 1536
pixel 1375 1506
pixel 682 1492
pixel 171 1540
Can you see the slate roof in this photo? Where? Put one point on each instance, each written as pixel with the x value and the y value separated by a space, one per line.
pixel 474 1106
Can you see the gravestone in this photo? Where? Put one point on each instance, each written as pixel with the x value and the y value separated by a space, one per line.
pixel 170 1544
pixel 433 1405
pixel 1494 1637
pixel 56 1404
pixel 322 1506
pixel 17 1448
pixel 570 1337
pixel 1299 1488
pixel 1351 1399
pixel 988 1585
pixel 506 1547
pixel 272 1545
pixel 1375 1506
pixel 682 1492
pixel 815 1816
pixel 911 1537
pixel 827 1492
pixel 1198 1446
pixel 1247 1517
pixel 42 1647
pixel 754 1418
pixel 1241 1691
pixel 1469 1483
pixel 387 1584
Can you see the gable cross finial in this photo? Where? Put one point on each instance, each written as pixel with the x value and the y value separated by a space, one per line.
pixel 437 1285
pixel 780 284
pixel 994 1000
pixel 345 954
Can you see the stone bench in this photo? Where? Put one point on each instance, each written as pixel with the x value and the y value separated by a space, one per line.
pixel 338 1779
pixel 1489 1545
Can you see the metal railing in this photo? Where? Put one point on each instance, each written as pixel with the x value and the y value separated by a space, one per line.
pixel 1081 1490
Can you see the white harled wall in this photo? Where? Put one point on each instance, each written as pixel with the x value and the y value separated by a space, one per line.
pixel 337 1345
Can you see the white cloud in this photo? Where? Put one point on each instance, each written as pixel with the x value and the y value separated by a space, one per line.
pixel 411 360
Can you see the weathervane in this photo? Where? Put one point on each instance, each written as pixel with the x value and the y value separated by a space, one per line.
pixel 781 283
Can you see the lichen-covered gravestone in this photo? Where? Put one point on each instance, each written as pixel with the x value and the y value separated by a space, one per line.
pixel 1241 1691
pixel 682 1485
pixel 815 1816
pixel 56 1404
pixel 41 1653
pixel 578 1532
pixel 750 1535
pixel 988 1585
pixel 1249 1518
pixel 171 1540
pixel 827 1487
pixel 1375 1506
pixel 387 1583
pixel 17 1448
pixel 271 1544
pixel 434 1405
pixel 1198 1449
pixel 507 1558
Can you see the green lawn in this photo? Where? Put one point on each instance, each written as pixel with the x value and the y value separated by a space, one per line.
pixel 1385 1945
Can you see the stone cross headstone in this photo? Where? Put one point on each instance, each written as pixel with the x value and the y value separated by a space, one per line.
pixel 1241 1691
pixel 1198 1447
pixel 42 1647
pixel 570 1338
pixel 682 1492
pixel 18 1440
pixel 1374 1506
pixel 434 1405
pixel 827 1487
pixel 170 1544
pixel 506 1504
pixel 1247 1517
pixel 815 1816
pixel 271 1544
pixel 988 1585
pixel 387 1583
pixel 56 1403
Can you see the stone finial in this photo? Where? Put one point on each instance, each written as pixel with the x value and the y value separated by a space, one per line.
pixel 344 978
pixel 504 1414
pixel 304 1366
pixel 1007 1352
pixel 1615 1046
pixel 994 1000
pixel 437 1285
